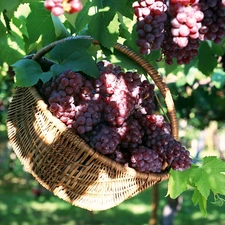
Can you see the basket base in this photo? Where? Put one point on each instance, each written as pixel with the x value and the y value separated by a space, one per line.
pixel 63 163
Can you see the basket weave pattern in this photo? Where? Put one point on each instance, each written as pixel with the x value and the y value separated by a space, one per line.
pixel 63 163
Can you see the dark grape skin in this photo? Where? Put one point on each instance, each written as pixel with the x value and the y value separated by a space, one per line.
pixel 214 20
pixel 150 24
pixel 135 136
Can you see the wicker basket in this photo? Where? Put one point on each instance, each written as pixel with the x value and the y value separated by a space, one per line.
pixel 62 162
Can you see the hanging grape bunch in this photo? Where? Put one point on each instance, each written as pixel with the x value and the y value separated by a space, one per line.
pixel 58 7
pixel 177 26
pixel 115 115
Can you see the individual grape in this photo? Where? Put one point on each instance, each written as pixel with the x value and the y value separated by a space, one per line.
pixel 58 7
pixel 150 24
pixel 214 21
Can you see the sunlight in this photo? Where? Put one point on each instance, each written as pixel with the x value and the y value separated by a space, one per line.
pixel 44 206
pixel 134 208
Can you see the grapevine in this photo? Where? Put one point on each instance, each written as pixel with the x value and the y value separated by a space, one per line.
pixel 115 115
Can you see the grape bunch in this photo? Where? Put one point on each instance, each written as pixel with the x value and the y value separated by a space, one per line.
pixel 58 7
pixel 150 26
pixel 177 26
pixel 115 115
pixel 214 20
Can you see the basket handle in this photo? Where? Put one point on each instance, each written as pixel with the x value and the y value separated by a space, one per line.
pixel 154 74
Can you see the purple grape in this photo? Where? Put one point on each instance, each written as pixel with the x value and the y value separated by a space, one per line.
pixel 150 24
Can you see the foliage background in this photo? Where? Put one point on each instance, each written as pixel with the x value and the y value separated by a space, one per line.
pixel 26 27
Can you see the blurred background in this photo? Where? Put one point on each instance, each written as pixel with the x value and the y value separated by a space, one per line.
pixel 198 90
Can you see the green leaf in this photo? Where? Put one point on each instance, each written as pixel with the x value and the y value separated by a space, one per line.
pixel 197 198
pixel 102 19
pixel 74 55
pixel 60 29
pixel 207 60
pixel 12 48
pixel 109 28
pixel 119 59
pixel 10 7
pixel 218 78
pixel 197 174
pixel 190 77
pixel 210 176
pixel 215 168
pixel 28 72
pixel 39 22
pixel 217 49
pixel 2 32
pixel 178 182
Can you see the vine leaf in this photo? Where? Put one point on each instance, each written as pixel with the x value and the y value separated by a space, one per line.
pixel 178 182
pixel 74 55
pixel 102 19
pixel 210 176
pixel 28 72
pixel 39 22
pixel 197 198
pixel 207 61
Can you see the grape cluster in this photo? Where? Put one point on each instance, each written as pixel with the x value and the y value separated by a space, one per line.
pixel 185 21
pixel 172 50
pixel 150 15
pixel 58 7
pixel 178 26
pixel 214 20
pixel 115 115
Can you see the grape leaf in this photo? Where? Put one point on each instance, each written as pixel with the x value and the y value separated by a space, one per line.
pixel 197 198
pixel 207 61
pixel 209 176
pixel 178 182
pixel 190 77
pixel 101 17
pixel 12 48
pixel 2 32
pixel 218 78
pixel 217 49
pixel 60 29
pixel 9 7
pixel 28 72
pixel 39 22
pixel 74 55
